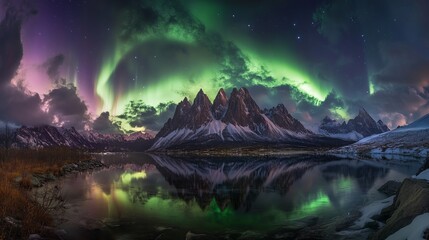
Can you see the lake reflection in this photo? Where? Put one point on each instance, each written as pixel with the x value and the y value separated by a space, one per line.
pixel 147 193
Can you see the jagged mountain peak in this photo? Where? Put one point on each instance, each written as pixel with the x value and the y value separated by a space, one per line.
pixel 221 98
pixel 200 112
pixel 363 124
pixel 220 104
pixel 237 118
pixel 364 114
pixel 201 99
pixel 51 136
pixel 328 119
pixel 281 108
pixel 241 108
pixel 281 117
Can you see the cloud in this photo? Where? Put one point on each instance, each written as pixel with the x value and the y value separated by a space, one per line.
pixel 52 66
pixel 10 46
pixel 66 107
pixel 139 114
pixel 103 124
pixel 17 105
pixel 21 108
pixel 298 104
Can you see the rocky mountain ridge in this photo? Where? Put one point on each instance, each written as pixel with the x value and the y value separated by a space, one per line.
pixel 234 119
pixel 50 136
pixel 363 125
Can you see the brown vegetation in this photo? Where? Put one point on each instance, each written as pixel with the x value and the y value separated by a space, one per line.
pixel 23 212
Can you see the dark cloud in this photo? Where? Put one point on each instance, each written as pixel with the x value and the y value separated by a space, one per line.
pixel 393 48
pixel 17 105
pixel 139 114
pixel 66 107
pixel 21 108
pixel 299 105
pixel 52 66
pixel 10 46
pixel 103 124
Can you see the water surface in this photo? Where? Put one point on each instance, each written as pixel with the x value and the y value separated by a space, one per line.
pixel 143 196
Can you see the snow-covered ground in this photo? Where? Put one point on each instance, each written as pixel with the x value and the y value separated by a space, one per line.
pixel 411 140
pixel 371 210
pixel 423 175
pixel 414 231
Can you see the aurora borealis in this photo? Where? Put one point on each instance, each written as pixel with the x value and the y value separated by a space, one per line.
pixel 137 59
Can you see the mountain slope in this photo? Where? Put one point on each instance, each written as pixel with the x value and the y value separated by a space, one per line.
pixel 50 136
pixel 409 140
pixel 363 125
pixel 235 119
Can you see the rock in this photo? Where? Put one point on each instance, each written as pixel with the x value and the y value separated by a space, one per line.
pixel 191 236
pixel 34 237
pixel 18 180
pixel 35 182
pixel 50 177
pixel 60 233
pixel 390 188
pixel 250 235
pixel 347 221
pixel 372 225
pixel 301 224
pixel 412 200
pixel 12 221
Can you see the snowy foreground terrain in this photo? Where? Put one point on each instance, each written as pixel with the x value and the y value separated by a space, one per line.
pixel 413 231
pixel 409 140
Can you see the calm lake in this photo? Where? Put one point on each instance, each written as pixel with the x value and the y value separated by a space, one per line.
pixel 142 196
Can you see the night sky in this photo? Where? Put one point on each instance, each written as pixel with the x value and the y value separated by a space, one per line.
pixel 99 64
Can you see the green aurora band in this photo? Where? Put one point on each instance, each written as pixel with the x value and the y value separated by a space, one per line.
pixel 262 69
pixel 172 87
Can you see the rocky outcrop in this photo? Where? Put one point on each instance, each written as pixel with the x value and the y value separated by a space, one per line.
pixel 412 200
pixel 390 188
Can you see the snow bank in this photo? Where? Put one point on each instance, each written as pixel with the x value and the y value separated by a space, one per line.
pixel 372 210
pixel 423 175
pixel 413 231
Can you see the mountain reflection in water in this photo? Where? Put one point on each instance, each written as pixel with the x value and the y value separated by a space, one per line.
pixel 227 194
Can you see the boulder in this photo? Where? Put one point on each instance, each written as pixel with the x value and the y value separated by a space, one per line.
pixel 34 237
pixel 412 200
pixel 390 188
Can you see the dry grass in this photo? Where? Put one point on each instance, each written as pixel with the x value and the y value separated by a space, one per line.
pixel 16 201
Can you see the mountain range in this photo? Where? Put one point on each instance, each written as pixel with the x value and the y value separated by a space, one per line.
pixel 233 121
pixel 363 125
pixel 238 119
pixel 411 140
pixel 50 136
